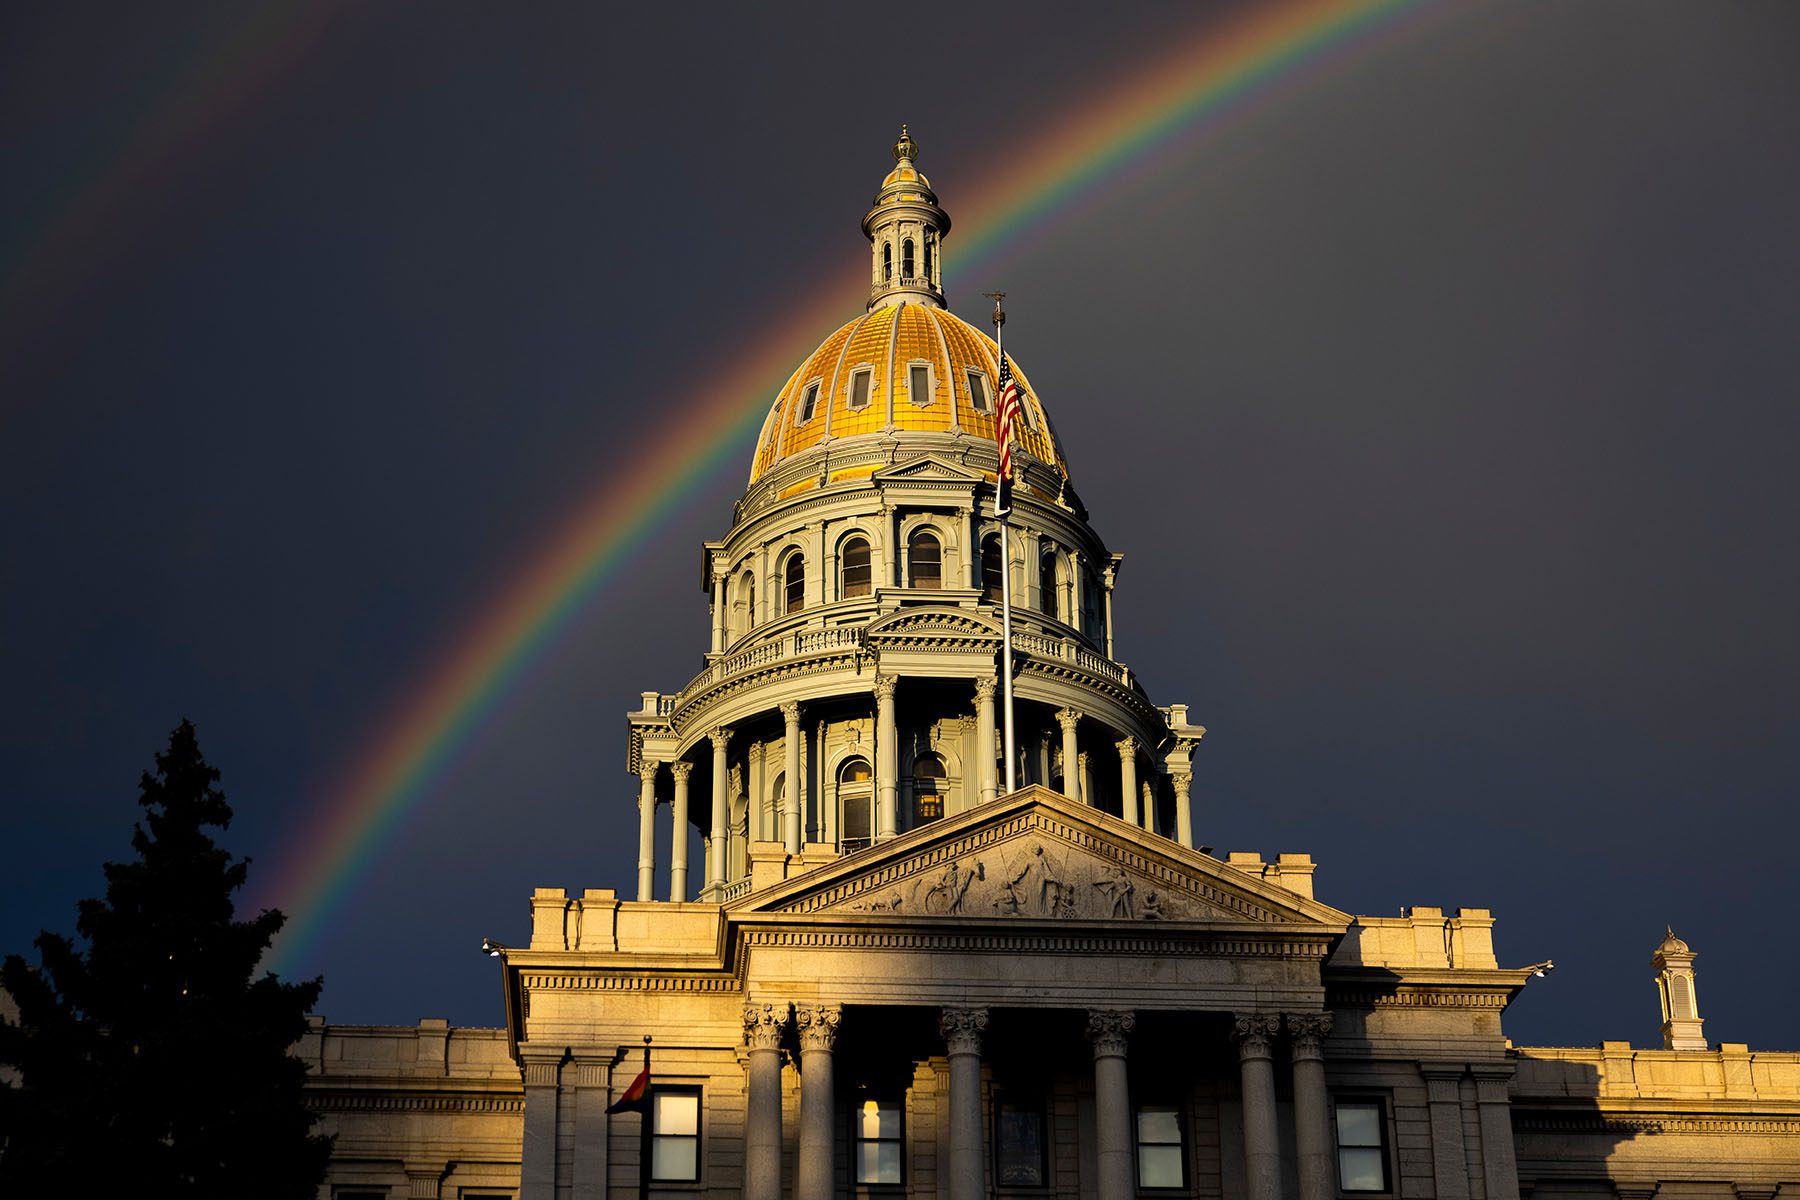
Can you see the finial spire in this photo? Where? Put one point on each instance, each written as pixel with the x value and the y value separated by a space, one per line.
pixel 906 229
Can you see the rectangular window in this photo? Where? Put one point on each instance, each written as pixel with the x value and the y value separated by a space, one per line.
pixel 1362 1146
pixel 859 389
pixel 978 393
pixel 876 1142
pixel 1019 1159
pixel 1161 1156
pixel 809 403
pixel 918 384
pixel 675 1135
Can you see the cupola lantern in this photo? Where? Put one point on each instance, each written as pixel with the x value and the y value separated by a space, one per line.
pixel 906 230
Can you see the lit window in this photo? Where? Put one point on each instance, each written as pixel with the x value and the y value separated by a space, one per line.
pixel 1362 1146
pixel 1161 1159
pixel 990 570
pixel 1019 1142
pixel 978 393
pixel 928 788
pixel 925 557
pixel 854 563
pixel 860 383
pixel 675 1134
pixel 875 1133
pixel 918 384
pixel 794 575
pixel 809 404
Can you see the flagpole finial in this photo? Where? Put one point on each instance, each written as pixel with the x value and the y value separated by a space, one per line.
pixel 999 311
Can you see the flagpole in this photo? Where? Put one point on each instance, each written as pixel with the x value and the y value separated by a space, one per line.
pixel 1006 668
pixel 647 1145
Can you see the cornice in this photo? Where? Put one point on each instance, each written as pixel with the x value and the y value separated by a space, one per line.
pixel 379 1098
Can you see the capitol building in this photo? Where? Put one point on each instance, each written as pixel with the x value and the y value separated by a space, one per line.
pixel 885 958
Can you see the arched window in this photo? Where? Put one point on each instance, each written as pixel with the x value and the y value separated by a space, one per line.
pixel 928 257
pixel 854 575
pixel 856 795
pixel 887 262
pixel 794 579
pixel 990 570
pixel 777 791
pixel 1050 598
pixel 925 557
pixel 928 788
pixel 744 611
pixel 906 259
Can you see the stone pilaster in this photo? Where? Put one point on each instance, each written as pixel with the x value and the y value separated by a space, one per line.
pixel 818 1026
pixel 1109 1029
pixel 962 1029
pixel 1443 1092
pixel 1312 1105
pixel 537 1148
pixel 593 1092
pixel 764 1025
pixel 1255 1036
pixel 1499 1158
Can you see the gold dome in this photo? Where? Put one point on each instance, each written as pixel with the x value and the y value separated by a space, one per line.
pixel 885 345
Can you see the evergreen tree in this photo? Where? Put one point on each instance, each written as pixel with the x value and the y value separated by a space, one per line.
pixel 152 1059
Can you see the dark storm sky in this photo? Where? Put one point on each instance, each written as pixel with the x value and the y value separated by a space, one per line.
pixel 1444 405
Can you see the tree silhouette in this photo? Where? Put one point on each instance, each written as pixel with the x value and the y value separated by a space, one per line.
pixel 152 1059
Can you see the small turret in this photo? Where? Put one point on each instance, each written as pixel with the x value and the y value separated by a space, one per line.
pixel 1674 964
pixel 907 229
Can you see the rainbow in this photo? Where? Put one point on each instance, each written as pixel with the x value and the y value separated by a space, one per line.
pixel 1118 138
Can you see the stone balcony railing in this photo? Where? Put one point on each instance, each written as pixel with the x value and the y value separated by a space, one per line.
pixel 1071 651
pixel 799 644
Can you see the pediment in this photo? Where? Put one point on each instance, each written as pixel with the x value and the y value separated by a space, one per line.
pixel 934 624
pixel 929 468
pixel 1038 854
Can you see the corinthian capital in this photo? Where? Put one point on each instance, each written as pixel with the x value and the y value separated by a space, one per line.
pixel 1253 1032
pixel 1306 1031
pixel 681 769
pixel 1068 718
pixel 884 687
pixel 1108 1029
pixel 790 712
pixel 1127 747
pixel 763 1025
pixel 818 1025
pixel 984 690
pixel 720 738
pixel 1183 781
pixel 962 1028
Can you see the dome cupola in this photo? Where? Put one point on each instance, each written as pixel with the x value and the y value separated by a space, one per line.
pixel 906 229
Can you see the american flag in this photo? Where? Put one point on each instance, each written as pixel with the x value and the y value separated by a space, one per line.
pixel 1003 434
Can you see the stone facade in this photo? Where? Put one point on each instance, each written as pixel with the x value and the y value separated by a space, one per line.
pixel 951 935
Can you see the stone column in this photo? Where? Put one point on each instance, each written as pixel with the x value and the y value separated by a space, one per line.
pixel 962 1028
pixel 1499 1162
pixel 1443 1092
pixel 721 814
pixel 984 738
pixel 678 843
pixel 790 792
pixel 887 760
pixel 818 1024
pixel 763 1026
pixel 1128 789
pixel 758 822
pixel 1110 576
pixel 537 1150
pixel 1076 615
pixel 1312 1105
pixel 1262 1143
pixel 1184 809
pixel 1068 718
pixel 718 612
pixel 1108 1029
pixel 646 827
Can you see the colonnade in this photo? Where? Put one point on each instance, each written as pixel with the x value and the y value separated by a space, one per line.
pixel 1138 798
pixel 965 1158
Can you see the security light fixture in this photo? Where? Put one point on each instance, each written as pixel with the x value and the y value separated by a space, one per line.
pixel 491 948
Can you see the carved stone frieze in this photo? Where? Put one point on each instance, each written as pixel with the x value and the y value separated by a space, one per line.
pixel 817 1025
pixel 1109 1029
pixel 763 1025
pixel 962 1029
